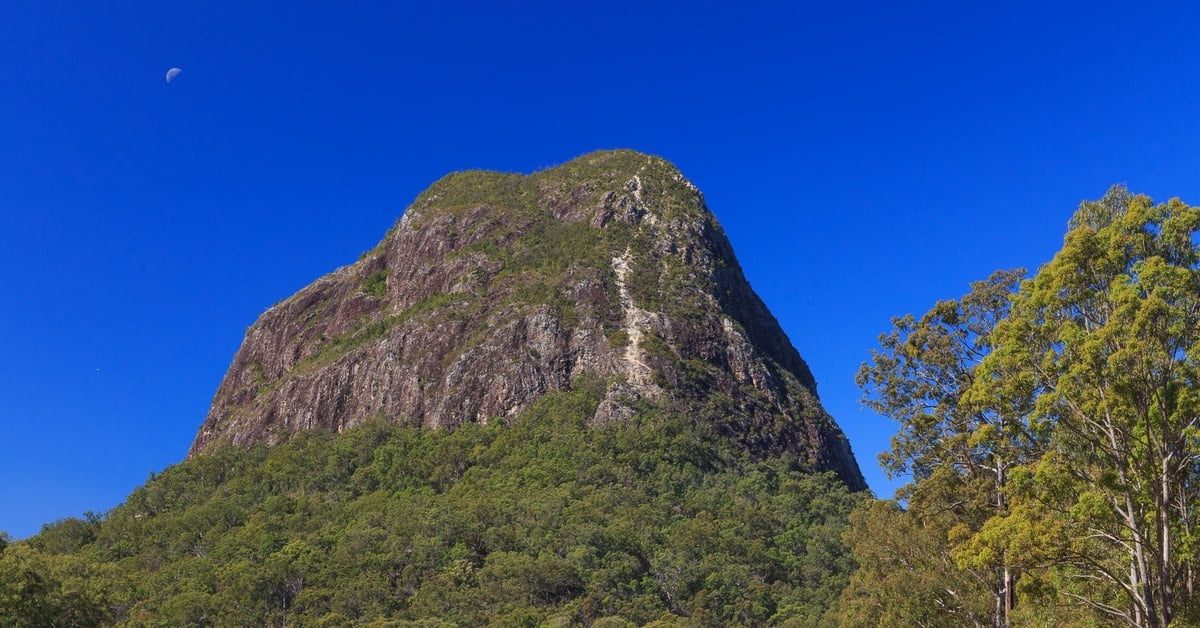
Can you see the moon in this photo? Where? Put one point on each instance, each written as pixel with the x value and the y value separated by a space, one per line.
pixel 172 73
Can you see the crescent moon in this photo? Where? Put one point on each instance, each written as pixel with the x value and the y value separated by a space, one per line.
pixel 172 73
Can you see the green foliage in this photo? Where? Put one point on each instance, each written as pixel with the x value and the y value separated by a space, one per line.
pixel 478 187
pixel 1052 435
pixel 619 338
pixel 1109 332
pixel 905 575
pixel 39 588
pixel 654 344
pixel 375 284
pixel 545 520
pixel 432 303
pixel 960 448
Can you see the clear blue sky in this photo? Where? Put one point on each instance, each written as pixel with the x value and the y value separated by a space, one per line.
pixel 865 159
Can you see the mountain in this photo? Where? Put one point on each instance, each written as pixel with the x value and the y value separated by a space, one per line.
pixel 628 438
pixel 495 289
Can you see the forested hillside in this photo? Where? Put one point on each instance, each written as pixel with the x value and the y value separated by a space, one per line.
pixel 544 520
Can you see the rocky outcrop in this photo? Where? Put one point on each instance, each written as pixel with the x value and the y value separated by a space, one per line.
pixel 494 289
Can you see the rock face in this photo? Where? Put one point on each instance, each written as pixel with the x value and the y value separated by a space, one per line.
pixel 494 289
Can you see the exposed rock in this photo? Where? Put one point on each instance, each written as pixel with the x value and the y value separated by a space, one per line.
pixel 494 289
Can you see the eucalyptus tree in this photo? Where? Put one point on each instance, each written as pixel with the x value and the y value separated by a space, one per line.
pixel 1107 335
pixel 958 442
pixel 1052 431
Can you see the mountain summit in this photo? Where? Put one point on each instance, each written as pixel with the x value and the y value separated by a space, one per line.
pixel 494 289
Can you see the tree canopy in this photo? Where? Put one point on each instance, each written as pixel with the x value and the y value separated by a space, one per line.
pixel 1050 430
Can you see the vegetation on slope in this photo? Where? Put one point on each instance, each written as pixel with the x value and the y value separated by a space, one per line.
pixel 530 242
pixel 542 521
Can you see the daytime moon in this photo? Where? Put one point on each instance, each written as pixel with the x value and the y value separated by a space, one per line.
pixel 172 73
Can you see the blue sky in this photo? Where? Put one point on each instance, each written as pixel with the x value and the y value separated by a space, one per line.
pixel 865 159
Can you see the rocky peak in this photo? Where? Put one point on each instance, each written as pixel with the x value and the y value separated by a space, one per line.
pixel 495 288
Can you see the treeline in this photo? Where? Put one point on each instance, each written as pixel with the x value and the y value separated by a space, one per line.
pixel 1050 427
pixel 544 521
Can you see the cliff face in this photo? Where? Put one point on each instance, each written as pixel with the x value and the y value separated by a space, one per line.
pixel 494 289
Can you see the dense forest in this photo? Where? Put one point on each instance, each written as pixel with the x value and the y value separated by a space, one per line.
pixel 1049 424
pixel 542 521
